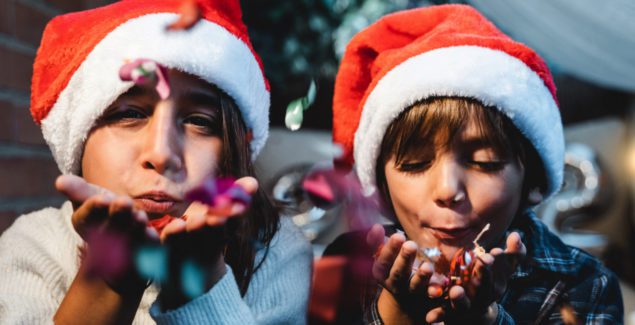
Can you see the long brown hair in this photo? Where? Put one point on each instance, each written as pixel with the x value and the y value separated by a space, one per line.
pixel 261 221
pixel 437 120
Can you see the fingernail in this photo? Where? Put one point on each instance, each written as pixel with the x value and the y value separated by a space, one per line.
pixel 141 216
pixel 152 233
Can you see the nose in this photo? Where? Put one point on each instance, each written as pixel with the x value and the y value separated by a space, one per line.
pixel 162 148
pixel 449 187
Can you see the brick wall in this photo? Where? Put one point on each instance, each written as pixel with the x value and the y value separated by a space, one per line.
pixel 27 169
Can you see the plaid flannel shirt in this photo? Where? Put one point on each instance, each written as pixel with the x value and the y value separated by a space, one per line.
pixel 552 275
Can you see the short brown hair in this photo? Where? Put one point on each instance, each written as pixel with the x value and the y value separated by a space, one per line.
pixel 437 120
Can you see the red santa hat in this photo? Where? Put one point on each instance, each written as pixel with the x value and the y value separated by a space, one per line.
pixel 76 70
pixel 449 50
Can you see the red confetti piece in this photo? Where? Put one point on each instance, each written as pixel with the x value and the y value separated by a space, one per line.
pixel 189 15
pixel 159 224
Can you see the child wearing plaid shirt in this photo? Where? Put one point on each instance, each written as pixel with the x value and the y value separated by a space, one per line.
pixel 456 127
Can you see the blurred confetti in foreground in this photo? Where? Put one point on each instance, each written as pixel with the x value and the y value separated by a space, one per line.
pixel 220 195
pixel 568 315
pixel 327 187
pixel 295 110
pixel 144 71
pixel 189 15
pixel 152 263
pixel 108 255
pixel 192 279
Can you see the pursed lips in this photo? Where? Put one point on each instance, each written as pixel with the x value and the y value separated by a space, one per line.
pixel 452 234
pixel 156 202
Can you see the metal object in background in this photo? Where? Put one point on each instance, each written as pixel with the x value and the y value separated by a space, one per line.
pixel 288 194
pixel 581 199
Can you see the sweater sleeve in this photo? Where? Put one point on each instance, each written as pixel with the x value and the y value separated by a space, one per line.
pixel 278 292
pixel 33 279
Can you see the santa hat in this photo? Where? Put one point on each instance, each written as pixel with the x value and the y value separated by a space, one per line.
pixel 76 70
pixel 448 50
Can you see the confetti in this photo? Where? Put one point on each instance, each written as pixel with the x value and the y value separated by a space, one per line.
pixel 192 279
pixel 568 314
pixel 108 254
pixel 152 262
pixel 144 71
pixel 478 249
pixel 159 224
pixel 461 266
pixel 189 15
pixel 220 195
pixel 295 110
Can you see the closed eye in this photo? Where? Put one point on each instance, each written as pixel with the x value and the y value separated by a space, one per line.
pixel 413 167
pixel 204 123
pixel 488 166
pixel 125 114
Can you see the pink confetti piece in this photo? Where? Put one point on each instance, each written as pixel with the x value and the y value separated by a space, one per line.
pixel 219 194
pixel 143 71
pixel 108 255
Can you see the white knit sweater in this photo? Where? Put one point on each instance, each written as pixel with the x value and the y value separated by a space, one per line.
pixel 39 260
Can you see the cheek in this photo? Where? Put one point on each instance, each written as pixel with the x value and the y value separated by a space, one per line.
pixel 201 158
pixel 106 161
pixel 498 202
pixel 407 194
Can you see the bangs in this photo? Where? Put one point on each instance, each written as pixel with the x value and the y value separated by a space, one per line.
pixel 435 123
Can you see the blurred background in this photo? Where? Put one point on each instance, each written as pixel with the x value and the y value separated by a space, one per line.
pixel 589 46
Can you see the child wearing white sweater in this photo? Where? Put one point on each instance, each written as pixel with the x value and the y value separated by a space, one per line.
pixel 141 102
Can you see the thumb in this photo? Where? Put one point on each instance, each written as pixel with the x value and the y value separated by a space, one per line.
pixel 77 189
pixel 248 183
pixel 375 237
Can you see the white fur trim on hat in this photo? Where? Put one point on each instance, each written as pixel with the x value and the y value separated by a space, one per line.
pixel 207 50
pixel 493 77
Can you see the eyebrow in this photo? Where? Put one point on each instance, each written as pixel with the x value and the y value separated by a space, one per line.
pixel 200 97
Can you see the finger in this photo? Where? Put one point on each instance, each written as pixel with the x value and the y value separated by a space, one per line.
pixel 458 299
pixel 436 285
pixel 194 222
pixel 77 190
pixel 421 278
pixel 215 221
pixel 375 237
pixel 496 251
pixel 91 213
pixel 481 269
pixel 435 315
pixel 515 249
pixel 399 277
pixel 174 227
pixel 387 256
pixel 121 216
pixel 248 183
pixel 515 245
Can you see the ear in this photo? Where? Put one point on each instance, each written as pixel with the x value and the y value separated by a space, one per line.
pixel 534 196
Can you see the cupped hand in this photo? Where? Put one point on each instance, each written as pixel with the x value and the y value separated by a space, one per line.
pixel 405 288
pixel 477 299
pixel 199 239
pixel 111 228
